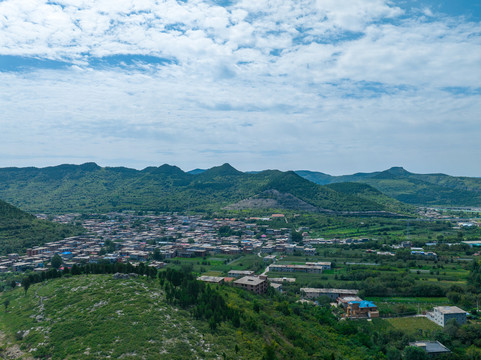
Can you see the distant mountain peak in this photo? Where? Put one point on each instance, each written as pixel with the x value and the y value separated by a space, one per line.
pixel 89 166
pixel 395 172
pixel 228 166
pixel 168 167
pixel 223 170
pixel 164 169
pixel 398 170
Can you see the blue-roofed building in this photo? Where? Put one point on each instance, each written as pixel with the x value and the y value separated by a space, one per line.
pixel 66 255
pixel 362 309
pixel 476 243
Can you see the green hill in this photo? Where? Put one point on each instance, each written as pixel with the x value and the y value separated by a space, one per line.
pixel 99 317
pixel 417 189
pixel 370 193
pixel 88 187
pixel 20 230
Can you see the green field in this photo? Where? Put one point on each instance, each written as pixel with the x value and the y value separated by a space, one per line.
pixel 220 265
pixel 416 326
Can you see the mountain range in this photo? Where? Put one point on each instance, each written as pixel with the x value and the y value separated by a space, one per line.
pixel 91 188
pixel 411 188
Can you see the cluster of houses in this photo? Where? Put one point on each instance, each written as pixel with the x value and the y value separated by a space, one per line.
pixel 72 250
pixel 137 237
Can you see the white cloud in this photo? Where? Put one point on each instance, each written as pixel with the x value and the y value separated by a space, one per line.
pixel 316 84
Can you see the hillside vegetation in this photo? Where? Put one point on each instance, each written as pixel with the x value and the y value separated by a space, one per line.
pixel 88 187
pixel 370 193
pixel 20 230
pixel 417 189
pixel 81 314
pixel 98 317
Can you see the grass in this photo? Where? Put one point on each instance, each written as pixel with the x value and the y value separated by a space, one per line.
pixel 402 305
pixel 416 326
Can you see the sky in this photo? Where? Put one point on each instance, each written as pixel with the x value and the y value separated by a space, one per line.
pixel 338 86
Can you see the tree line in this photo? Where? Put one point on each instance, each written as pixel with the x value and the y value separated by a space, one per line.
pixel 205 301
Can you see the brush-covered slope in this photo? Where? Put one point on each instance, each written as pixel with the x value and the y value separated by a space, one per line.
pixel 426 189
pixel 368 192
pixel 89 187
pixel 273 199
pixel 20 230
pixel 417 189
pixel 99 317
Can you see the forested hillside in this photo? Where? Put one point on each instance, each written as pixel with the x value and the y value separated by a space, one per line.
pixel 20 230
pixel 417 189
pixel 89 187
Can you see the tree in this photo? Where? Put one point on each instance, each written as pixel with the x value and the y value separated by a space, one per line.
pixel 225 231
pixel 26 283
pixel 324 300
pixel 156 255
pixel 109 246
pixel 451 328
pixel 212 324
pixel 414 353
pixel 473 353
pixel 393 354
pixel 269 352
pixel 296 236
pixel 56 261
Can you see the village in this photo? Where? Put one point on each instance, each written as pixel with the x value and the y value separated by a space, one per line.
pixel 159 239
pixel 127 237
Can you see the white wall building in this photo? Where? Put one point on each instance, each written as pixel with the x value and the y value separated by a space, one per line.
pixel 442 314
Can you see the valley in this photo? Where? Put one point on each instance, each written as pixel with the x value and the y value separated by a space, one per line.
pixel 299 242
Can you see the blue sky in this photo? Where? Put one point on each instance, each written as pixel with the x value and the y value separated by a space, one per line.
pixel 337 86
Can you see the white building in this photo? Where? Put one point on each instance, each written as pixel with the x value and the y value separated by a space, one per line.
pixel 442 314
pixel 312 293
pixel 240 273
